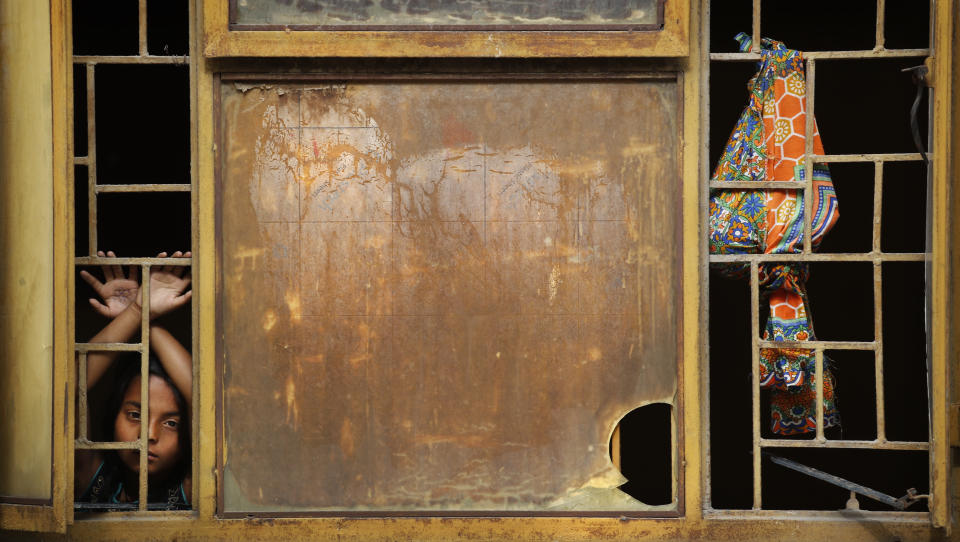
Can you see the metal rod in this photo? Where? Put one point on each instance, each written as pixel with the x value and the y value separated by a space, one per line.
pixel 84 444
pixel 820 55
pixel 870 157
pixel 828 257
pixel 818 375
pixel 899 504
pixel 106 347
pixel 845 444
pixel 755 350
pixel 757 36
pixel 881 23
pixel 827 345
pixel 142 28
pixel 96 260
pixel 93 60
pixel 82 397
pixel 133 188
pixel 80 160
pixel 704 251
pixel 91 160
pixel 807 160
pixel 144 383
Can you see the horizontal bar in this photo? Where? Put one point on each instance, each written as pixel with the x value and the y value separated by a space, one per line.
pixel 89 445
pixel 839 55
pixel 81 160
pixel 132 59
pixel 817 257
pixel 855 444
pixel 870 157
pixel 826 345
pixel 132 188
pixel 96 260
pixel 107 347
pixel 757 185
pixel 892 516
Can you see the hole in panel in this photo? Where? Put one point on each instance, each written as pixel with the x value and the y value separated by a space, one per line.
pixel 646 453
pixel 143 124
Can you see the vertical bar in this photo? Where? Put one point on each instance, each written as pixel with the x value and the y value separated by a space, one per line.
pixel 755 44
pixel 91 160
pixel 82 398
pixel 703 340
pixel 754 332
pixel 807 159
pixel 818 375
pixel 881 23
pixel 877 204
pixel 144 383
pixel 878 353
pixel 142 27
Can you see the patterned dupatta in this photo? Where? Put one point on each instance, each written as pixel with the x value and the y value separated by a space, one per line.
pixel 768 144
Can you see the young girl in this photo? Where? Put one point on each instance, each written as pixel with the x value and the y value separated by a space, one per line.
pixel 113 476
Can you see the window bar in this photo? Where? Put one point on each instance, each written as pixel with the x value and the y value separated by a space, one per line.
pixel 878 298
pixel 91 161
pixel 86 445
pixel 754 332
pixel 755 44
pixel 818 375
pixel 144 383
pixel 846 444
pixel 128 188
pixel 881 16
pixel 808 169
pixel 817 257
pixel 83 434
pixel 142 28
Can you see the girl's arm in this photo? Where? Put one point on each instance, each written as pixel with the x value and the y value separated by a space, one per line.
pixel 175 359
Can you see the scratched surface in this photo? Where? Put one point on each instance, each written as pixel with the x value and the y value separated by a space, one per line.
pixel 443 296
pixel 445 12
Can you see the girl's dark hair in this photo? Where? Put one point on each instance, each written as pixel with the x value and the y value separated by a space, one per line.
pixel 129 368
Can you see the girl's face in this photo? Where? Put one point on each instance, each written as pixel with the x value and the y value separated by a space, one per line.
pixel 162 431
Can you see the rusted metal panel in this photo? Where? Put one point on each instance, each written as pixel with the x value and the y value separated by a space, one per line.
pixel 442 295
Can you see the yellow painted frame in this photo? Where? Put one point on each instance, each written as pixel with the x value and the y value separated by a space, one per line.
pixel 204 523
pixel 220 41
pixel 55 515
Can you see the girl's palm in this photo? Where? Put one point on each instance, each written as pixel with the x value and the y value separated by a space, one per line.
pixel 118 289
pixel 167 285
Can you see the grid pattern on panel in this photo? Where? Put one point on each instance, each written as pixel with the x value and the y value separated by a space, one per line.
pixel 90 63
pixel 876 256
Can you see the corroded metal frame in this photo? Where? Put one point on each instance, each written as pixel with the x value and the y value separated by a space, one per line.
pixel 220 40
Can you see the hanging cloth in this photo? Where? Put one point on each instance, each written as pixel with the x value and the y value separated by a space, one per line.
pixel 768 144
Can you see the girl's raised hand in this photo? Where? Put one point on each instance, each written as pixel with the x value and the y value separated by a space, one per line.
pixel 117 291
pixel 167 285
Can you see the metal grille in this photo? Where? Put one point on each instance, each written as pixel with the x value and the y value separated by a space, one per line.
pixel 83 442
pixel 876 256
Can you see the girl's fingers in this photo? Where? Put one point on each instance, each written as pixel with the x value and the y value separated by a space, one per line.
pixel 100 307
pixel 185 298
pixel 117 270
pixel 91 280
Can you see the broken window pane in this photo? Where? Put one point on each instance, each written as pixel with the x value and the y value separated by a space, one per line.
pixel 447 12
pixel 443 296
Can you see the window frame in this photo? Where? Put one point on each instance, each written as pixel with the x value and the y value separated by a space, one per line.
pixel 221 41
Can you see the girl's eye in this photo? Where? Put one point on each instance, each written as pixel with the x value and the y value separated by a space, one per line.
pixel 172 424
pixel 133 414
